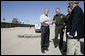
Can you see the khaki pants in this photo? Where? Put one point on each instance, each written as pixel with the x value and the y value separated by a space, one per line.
pixel 73 47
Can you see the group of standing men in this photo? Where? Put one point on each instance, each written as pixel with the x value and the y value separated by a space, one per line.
pixel 74 22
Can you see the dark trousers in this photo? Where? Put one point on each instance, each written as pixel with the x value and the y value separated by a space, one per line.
pixel 58 30
pixel 44 37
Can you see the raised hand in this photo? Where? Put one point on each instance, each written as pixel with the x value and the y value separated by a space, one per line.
pixel 70 36
pixel 54 21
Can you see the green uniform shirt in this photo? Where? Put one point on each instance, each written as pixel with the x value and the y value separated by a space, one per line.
pixel 60 19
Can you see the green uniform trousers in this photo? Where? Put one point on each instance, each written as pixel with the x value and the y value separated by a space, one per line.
pixel 58 30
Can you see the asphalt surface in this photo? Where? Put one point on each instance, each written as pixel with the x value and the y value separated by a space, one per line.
pixel 24 41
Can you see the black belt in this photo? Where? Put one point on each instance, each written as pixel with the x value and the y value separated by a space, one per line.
pixel 44 24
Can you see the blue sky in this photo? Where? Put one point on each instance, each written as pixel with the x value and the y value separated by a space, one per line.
pixel 29 11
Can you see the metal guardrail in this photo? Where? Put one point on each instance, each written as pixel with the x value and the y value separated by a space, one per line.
pixel 8 25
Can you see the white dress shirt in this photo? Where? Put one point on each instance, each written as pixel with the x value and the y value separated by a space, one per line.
pixel 74 35
pixel 43 18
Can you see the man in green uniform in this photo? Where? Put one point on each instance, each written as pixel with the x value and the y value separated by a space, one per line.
pixel 59 20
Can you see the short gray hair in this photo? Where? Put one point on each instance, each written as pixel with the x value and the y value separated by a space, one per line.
pixel 57 8
pixel 76 2
pixel 46 9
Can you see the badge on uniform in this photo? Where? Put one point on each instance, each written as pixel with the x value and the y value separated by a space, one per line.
pixel 61 17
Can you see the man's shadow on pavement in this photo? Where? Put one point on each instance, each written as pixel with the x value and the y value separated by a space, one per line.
pixel 28 36
pixel 82 47
pixel 63 50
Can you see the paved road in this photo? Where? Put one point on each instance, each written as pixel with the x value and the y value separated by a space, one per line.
pixel 17 41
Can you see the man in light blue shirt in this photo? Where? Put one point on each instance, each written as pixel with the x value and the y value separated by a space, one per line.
pixel 45 21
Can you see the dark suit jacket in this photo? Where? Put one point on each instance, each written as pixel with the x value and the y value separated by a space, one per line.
pixel 77 22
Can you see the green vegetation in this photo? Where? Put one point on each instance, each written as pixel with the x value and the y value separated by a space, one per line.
pixel 3 19
pixel 16 21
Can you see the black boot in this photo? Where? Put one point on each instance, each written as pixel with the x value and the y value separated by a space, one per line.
pixel 43 51
pixel 46 49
